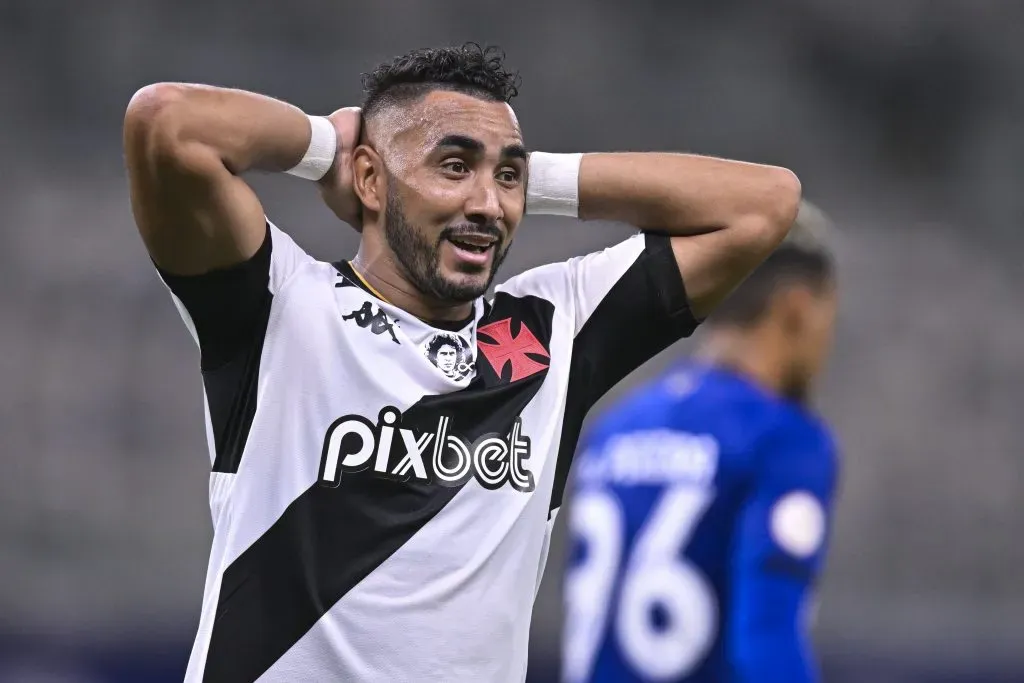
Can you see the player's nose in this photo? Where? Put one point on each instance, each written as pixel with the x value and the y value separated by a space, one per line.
pixel 483 204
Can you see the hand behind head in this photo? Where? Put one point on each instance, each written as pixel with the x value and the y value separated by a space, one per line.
pixel 336 187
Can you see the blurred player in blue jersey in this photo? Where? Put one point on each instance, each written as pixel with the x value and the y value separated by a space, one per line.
pixel 702 501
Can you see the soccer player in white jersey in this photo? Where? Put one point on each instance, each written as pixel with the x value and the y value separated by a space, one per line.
pixel 389 448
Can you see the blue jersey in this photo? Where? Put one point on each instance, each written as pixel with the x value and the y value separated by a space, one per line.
pixel 699 522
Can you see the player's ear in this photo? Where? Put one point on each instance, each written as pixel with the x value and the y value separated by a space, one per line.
pixel 368 177
pixel 792 307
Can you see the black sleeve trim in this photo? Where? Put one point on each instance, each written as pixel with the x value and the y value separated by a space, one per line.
pixel 231 392
pixel 230 309
pixel 667 280
pixel 644 312
pixel 226 305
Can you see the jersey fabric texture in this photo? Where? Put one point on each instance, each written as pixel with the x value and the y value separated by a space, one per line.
pixel 699 521
pixel 383 489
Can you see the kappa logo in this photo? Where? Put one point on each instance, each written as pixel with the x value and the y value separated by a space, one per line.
pixel 378 321
pixel 515 350
pixel 354 444
pixel 451 354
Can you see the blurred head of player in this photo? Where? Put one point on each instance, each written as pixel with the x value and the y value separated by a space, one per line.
pixel 777 326
pixel 441 171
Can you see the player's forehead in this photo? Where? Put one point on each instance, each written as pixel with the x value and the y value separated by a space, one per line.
pixel 442 115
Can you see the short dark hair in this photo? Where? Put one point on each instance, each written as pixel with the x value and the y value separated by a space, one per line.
pixel 468 68
pixel 803 258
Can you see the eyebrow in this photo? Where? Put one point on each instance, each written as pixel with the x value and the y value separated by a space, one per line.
pixel 513 151
pixel 463 142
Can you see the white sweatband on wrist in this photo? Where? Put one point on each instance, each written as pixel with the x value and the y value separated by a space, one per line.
pixel 319 157
pixel 554 184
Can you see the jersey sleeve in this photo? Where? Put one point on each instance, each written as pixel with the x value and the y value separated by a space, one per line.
pixel 781 539
pixel 226 309
pixel 627 303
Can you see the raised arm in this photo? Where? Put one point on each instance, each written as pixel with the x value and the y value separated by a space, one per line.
pixel 724 217
pixel 186 147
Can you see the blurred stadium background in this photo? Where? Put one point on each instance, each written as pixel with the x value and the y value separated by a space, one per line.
pixel 902 117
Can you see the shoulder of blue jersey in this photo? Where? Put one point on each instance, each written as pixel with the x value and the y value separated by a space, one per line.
pixel 796 438
pixel 796 459
pixel 675 429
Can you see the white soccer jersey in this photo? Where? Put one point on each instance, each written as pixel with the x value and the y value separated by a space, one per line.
pixel 383 489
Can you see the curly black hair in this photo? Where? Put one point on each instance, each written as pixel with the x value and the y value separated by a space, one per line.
pixel 442 340
pixel 469 68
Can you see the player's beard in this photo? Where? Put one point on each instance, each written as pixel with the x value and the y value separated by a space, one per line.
pixel 421 260
pixel 797 388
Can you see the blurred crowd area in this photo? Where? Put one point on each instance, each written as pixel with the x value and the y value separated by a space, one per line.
pixel 902 118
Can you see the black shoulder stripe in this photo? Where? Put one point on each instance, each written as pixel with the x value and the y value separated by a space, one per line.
pixel 231 391
pixel 645 312
pixel 230 309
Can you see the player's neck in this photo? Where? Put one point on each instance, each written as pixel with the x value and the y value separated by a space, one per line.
pixel 747 354
pixel 382 277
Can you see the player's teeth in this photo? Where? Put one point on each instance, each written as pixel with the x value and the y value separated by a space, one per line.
pixel 469 247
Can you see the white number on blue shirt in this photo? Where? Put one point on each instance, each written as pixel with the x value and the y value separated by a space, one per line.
pixel 656 575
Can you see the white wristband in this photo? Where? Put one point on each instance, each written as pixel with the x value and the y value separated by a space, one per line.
pixel 554 184
pixel 319 157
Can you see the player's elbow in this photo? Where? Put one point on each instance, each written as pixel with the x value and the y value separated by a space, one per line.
pixel 779 206
pixel 153 107
pixel 783 199
pixel 151 122
pixel 765 224
pixel 155 123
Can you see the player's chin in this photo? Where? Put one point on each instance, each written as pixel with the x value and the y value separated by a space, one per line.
pixel 798 390
pixel 470 276
pixel 462 286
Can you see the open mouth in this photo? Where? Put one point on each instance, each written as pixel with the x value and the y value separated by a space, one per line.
pixel 474 244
